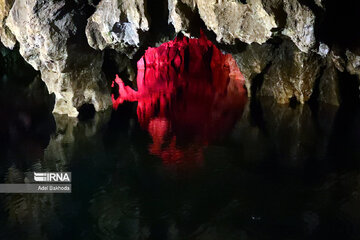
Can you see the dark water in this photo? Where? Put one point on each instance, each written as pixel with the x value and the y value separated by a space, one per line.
pixel 280 173
pixel 266 171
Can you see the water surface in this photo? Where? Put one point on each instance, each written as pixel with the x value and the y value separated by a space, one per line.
pixel 258 170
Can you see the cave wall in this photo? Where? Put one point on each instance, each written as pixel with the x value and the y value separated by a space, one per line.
pixel 286 49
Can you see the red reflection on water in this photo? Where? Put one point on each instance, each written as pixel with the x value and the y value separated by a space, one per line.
pixel 189 95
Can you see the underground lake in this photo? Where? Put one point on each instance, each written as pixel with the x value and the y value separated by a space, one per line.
pixel 183 154
pixel 179 120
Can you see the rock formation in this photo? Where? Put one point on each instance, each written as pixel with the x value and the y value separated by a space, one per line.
pixel 274 42
pixel 329 82
pixel 229 19
pixel 118 25
pixel 353 63
pixel 204 88
pixel 6 37
pixel 299 25
pixel 253 61
pixel 79 86
pixel 47 32
pixel 292 74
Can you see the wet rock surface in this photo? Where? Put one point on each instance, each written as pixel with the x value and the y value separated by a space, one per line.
pixel 292 74
pixel 329 89
pixel 353 63
pixel 252 62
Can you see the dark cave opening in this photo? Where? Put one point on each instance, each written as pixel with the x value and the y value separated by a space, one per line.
pixel 86 112
pixel 349 89
pixel 339 25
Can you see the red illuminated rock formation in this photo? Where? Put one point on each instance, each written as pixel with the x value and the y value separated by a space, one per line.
pixel 189 94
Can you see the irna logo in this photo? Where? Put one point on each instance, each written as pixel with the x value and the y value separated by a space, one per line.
pixel 51 177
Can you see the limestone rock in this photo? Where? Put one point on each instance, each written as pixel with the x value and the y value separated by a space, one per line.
pixel 13 66
pixel 294 20
pixel 181 14
pixel 121 65
pixel 42 37
pixel 319 3
pixel 323 50
pixel 329 87
pixel 299 25
pixel 292 74
pixel 353 63
pixel 48 36
pixel 275 8
pixel 75 88
pixel 116 24
pixel 329 91
pixel 7 38
pixel 228 19
pixel 253 60
pixel 338 61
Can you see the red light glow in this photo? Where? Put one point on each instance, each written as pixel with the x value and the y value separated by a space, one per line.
pixel 189 95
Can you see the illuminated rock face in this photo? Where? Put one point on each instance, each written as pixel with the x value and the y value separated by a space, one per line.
pixel 228 19
pixel 292 74
pixel 189 94
pixel 6 37
pixel 49 34
pixel 116 24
